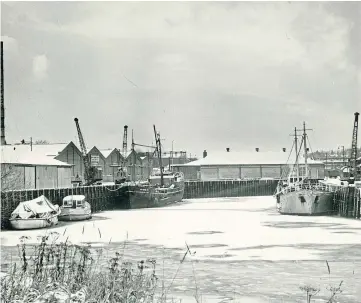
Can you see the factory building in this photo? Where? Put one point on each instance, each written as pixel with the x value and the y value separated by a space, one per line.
pixel 23 167
pixel 246 165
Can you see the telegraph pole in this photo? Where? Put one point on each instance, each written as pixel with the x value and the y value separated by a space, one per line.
pixel 3 141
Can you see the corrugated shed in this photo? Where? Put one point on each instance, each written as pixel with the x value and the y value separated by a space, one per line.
pixel 39 155
pixel 248 158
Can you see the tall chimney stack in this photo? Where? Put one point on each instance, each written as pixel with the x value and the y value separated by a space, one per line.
pixel 204 153
pixel 3 141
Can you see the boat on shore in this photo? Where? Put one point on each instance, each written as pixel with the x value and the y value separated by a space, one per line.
pixel 299 195
pixel 34 214
pixel 75 208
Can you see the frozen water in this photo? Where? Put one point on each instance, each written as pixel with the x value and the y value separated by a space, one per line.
pixel 245 228
pixel 241 245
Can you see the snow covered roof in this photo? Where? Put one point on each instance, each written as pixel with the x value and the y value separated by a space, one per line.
pixel 51 150
pixel 39 155
pixel 244 158
pixel 106 152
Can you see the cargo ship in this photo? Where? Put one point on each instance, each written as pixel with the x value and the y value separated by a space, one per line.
pixel 162 187
pixel 157 193
pixel 298 195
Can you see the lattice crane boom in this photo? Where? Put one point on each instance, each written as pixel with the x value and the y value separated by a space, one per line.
pixel 83 150
pixel 353 155
pixel 125 141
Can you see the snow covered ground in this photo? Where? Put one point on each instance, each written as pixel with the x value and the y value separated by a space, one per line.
pixel 240 244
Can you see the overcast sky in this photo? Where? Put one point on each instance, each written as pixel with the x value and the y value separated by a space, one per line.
pixel 209 75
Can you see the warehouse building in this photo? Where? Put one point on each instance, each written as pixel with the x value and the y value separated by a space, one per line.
pixel 137 166
pixel 23 168
pixel 68 153
pixel 113 159
pixel 65 152
pixel 229 165
pixel 97 159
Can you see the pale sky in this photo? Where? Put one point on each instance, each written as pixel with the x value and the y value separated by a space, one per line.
pixel 209 75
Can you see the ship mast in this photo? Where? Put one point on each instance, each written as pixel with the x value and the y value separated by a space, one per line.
pixel 159 150
pixel 296 150
pixel 305 148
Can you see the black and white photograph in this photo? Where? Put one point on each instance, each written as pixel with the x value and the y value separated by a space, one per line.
pixel 180 152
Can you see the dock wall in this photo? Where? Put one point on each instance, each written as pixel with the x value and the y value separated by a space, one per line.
pixel 236 188
pixel 346 201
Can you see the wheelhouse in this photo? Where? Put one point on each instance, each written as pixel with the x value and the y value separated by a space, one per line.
pixel 74 201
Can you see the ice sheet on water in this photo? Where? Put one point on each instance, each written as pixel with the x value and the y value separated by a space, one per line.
pixel 222 226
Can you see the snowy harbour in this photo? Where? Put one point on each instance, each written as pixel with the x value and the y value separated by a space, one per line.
pixel 242 249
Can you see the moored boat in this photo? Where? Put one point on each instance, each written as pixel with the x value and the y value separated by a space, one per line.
pixel 300 196
pixel 75 208
pixel 34 214
pixel 155 194
pixel 161 189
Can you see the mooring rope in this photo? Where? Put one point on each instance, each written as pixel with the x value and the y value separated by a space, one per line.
pixel 283 173
pixel 121 186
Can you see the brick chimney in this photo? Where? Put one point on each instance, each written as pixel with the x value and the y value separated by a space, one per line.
pixel 227 149
pixel 204 153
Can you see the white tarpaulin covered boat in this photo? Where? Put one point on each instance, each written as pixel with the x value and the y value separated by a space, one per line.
pixel 36 213
pixel 75 208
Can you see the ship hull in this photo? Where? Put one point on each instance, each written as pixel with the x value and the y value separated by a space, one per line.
pixel 34 223
pixel 75 214
pixel 150 198
pixel 305 203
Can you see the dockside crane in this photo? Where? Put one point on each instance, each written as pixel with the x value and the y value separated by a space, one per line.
pixel 353 155
pixel 91 174
pixel 125 142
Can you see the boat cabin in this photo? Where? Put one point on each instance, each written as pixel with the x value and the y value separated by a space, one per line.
pixel 74 201
pixel 167 179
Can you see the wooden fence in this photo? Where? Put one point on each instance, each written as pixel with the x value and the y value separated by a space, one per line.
pixel 99 197
pixel 237 188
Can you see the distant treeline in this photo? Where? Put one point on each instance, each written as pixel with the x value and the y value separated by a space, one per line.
pixel 332 153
